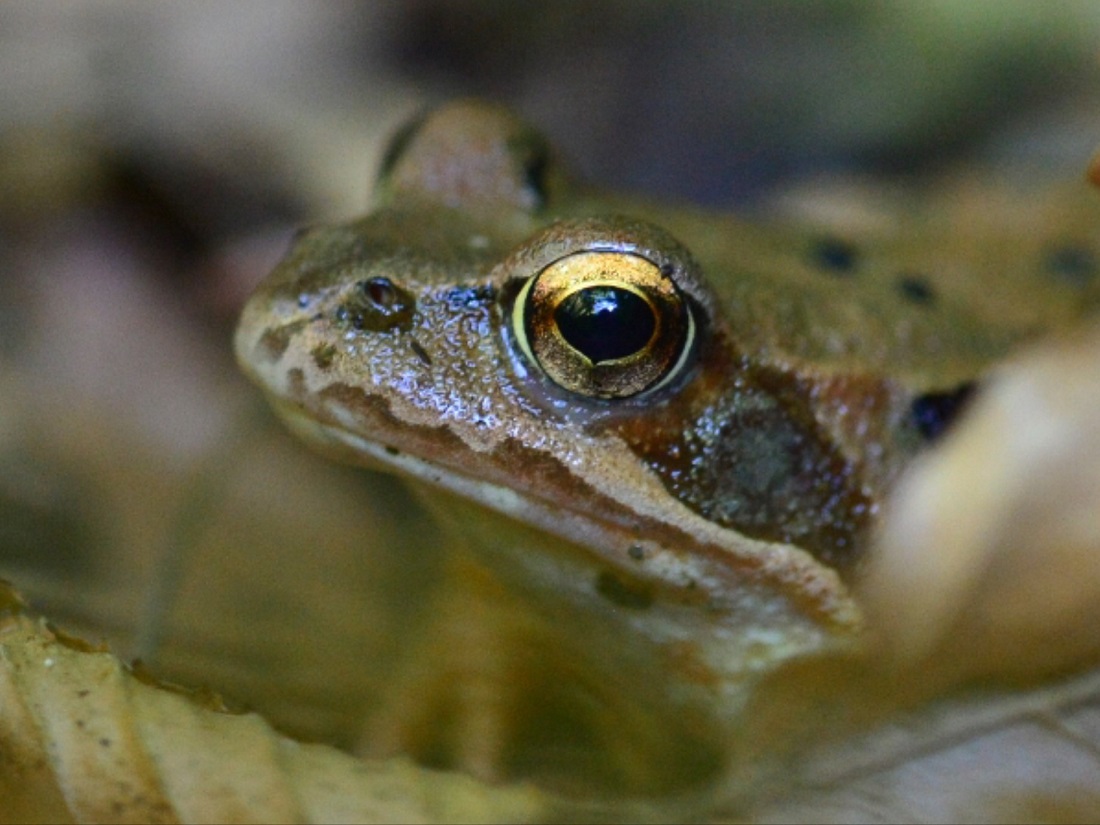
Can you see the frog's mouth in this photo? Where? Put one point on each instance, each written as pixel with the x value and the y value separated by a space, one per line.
pixel 535 489
pixel 373 454
pixel 484 478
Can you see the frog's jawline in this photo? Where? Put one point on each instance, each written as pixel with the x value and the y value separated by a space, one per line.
pixel 494 496
pixel 703 572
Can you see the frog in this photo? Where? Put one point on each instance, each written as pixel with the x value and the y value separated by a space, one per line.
pixel 658 438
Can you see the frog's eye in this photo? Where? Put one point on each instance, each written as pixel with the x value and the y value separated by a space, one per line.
pixel 606 324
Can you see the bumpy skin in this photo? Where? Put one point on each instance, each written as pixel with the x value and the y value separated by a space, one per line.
pixel 638 562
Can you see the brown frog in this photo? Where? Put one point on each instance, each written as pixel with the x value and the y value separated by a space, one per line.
pixel 658 438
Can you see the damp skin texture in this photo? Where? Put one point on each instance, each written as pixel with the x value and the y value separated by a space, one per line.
pixel 681 437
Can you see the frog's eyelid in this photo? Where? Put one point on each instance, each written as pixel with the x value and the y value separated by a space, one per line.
pixel 519 330
pixel 687 351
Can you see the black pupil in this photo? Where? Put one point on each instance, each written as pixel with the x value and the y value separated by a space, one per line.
pixel 604 322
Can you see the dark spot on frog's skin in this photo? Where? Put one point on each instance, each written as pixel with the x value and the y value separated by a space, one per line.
pixel 323 355
pixel 391 450
pixel 916 289
pixel 636 552
pixel 633 596
pixel 834 255
pixel 420 352
pixel 105 742
pixel 1072 263
pixel 933 412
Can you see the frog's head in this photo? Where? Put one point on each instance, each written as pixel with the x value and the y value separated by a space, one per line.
pixel 490 332
pixel 495 333
pixel 690 476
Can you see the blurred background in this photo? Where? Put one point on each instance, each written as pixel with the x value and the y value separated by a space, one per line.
pixel 155 157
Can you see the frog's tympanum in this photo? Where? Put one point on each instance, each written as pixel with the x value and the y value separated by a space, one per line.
pixel 660 438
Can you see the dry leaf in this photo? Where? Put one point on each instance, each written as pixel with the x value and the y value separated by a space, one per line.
pixel 990 756
pixel 989 561
pixel 83 740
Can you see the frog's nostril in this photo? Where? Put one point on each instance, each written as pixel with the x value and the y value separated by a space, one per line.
pixel 377 305
pixel 381 292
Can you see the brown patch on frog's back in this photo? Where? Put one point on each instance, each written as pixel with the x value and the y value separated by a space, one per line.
pixel 935 299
